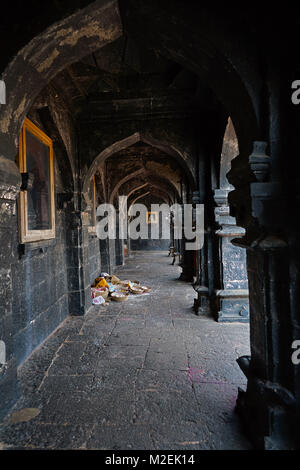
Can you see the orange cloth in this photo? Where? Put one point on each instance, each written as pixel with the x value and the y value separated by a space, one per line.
pixel 102 283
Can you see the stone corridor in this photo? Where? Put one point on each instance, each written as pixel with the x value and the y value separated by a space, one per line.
pixel 142 374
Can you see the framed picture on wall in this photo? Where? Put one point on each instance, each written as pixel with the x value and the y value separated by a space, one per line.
pixel 152 217
pixel 36 200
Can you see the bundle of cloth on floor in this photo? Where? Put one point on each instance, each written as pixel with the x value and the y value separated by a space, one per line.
pixel 109 287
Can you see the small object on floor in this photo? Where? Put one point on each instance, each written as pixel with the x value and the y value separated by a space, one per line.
pixel 146 289
pixel 104 275
pixel 96 281
pixel 135 289
pixel 102 282
pixel 171 251
pixel 125 283
pixel 119 296
pixel 107 287
pixel 111 287
pixel 138 289
pixel 99 291
pixel 114 279
pixel 98 300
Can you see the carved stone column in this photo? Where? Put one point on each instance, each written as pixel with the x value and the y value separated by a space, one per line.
pixel 269 407
pixel 231 301
pixel 78 263
pixel 201 303
pixel 187 258
pixel 119 244
pixel 10 182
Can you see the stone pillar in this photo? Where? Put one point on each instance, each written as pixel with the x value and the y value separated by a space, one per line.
pixel 78 270
pixel 119 250
pixel 112 255
pixel 10 182
pixel 269 407
pixel 187 257
pixel 187 264
pixel 202 302
pixel 105 255
pixel 85 262
pixel 231 300
pixel 128 247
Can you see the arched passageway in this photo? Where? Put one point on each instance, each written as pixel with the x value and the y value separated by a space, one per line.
pixel 106 99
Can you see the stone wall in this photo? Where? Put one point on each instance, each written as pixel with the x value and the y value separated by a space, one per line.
pixel 9 183
pixel 40 286
pixel 94 257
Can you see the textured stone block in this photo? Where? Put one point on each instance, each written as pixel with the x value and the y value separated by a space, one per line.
pixel 233 305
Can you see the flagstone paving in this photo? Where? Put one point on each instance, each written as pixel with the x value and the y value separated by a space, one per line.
pixel 142 374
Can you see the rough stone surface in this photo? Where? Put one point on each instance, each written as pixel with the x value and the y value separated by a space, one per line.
pixel 144 374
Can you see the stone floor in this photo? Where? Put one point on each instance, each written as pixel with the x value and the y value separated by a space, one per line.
pixel 143 374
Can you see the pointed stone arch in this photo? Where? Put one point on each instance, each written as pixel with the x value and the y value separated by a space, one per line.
pixel 165 147
pixel 166 183
pixel 46 55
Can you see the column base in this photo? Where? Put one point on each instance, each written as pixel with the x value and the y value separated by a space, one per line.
pixel 202 303
pixel 80 302
pixel 268 414
pixel 186 276
pixel 232 305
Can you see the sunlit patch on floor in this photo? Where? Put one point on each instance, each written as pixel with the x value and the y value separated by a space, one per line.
pixel 24 415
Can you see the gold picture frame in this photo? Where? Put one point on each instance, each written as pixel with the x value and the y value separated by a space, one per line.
pixel 27 234
pixel 152 217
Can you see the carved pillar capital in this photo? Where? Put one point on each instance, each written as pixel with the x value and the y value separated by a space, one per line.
pixel 221 197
